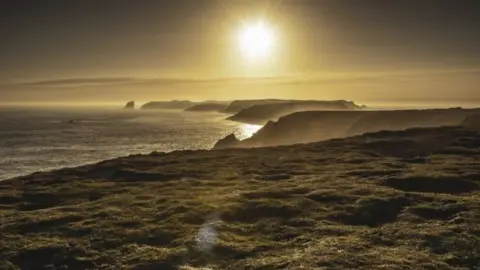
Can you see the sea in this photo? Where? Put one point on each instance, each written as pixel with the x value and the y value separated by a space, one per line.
pixel 36 139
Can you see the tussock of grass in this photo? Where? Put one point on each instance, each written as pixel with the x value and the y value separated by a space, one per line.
pixel 342 204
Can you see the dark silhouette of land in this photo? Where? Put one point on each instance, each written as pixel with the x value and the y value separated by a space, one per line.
pixel 208 107
pixel 130 105
pixel 262 113
pixel 174 104
pixel 255 111
pixel 238 105
pixel 311 126
pixel 391 199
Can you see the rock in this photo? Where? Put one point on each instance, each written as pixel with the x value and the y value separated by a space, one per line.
pixel 130 105
pixel 228 142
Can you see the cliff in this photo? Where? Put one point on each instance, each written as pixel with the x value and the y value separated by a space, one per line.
pixel 403 119
pixel 304 127
pixel 262 113
pixel 207 107
pixel 238 105
pixel 174 104
pixel 388 200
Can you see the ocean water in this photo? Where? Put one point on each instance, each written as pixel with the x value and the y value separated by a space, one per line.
pixel 39 139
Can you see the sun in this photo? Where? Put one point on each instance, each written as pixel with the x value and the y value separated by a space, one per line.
pixel 256 41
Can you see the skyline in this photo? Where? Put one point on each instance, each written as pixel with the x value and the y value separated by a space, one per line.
pixel 111 51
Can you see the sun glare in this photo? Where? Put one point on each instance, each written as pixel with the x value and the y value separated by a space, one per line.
pixel 248 130
pixel 256 41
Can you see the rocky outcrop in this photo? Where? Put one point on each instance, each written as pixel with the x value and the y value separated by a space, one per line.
pixel 173 104
pixel 262 113
pixel 228 142
pixel 130 105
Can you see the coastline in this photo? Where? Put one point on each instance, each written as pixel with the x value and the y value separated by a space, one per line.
pixel 42 139
pixel 390 193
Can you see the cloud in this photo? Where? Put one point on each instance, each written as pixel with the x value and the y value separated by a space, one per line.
pixel 342 78
pixel 83 82
pixel 74 82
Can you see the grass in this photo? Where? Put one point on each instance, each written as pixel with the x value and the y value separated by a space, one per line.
pixel 341 204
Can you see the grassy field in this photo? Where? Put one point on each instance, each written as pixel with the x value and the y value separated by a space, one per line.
pixel 387 200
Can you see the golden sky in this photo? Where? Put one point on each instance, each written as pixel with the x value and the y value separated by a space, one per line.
pixel 155 50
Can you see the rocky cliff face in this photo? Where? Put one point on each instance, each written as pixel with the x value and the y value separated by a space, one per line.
pixel 305 127
pixel 403 119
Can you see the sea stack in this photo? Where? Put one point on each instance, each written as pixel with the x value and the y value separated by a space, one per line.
pixel 130 105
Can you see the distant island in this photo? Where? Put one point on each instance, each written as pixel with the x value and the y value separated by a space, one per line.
pixel 310 126
pixel 255 111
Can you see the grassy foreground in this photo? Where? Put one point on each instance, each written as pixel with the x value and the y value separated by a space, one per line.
pixel 388 200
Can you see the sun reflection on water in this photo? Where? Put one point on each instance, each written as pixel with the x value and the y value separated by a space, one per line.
pixel 247 130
